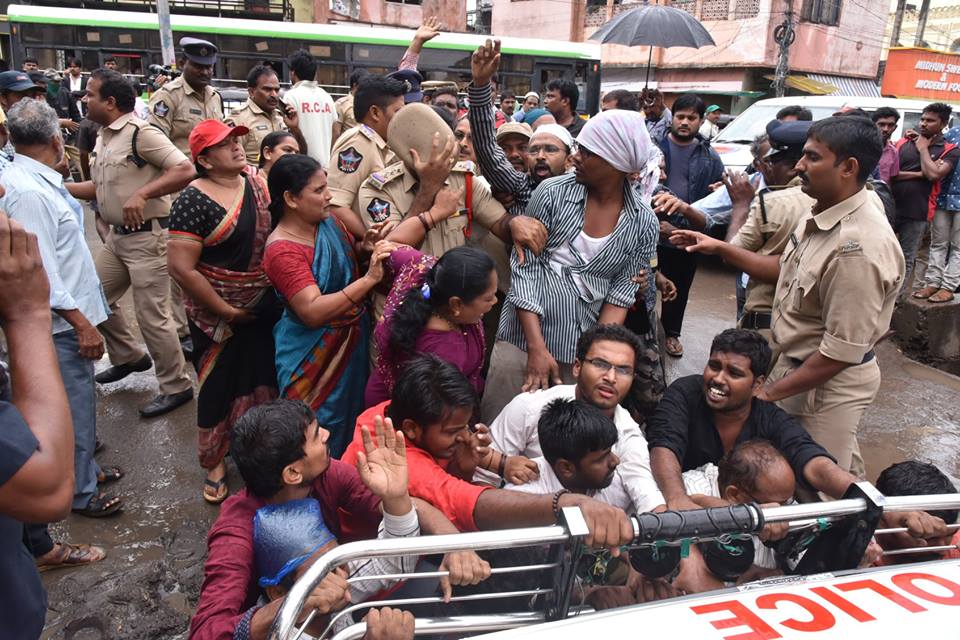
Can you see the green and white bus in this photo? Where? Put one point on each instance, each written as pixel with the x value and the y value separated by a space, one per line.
pixel 54 34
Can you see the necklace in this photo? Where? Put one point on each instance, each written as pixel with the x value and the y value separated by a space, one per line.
pixel 450 323
pixel 309 241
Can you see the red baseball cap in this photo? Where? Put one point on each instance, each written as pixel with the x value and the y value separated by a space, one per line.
pixel 211 132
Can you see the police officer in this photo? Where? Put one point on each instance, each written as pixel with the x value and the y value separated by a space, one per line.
pixel 263 113
pixel 346 119
pixel 435 200
pixel 363 149
pixel 179 105
pixel 135 168
pixel 411 79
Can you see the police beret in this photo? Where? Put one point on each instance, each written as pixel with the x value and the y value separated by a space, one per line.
pixel 411 79
pixel 787 136
pixel 199 51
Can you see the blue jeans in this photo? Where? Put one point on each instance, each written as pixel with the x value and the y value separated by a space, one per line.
pixel 77 374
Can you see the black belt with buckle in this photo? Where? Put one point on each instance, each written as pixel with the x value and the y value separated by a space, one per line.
pixel 755 320
pixel 867 357
pixel 120 230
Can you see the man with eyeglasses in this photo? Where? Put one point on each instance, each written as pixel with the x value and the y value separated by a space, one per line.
pixel 604 370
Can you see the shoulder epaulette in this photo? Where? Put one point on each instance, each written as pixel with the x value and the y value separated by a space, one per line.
pixel 379 179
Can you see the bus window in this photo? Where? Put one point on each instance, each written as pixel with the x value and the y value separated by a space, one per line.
pixel 367 53
pixel 333 75
pixel 451 59
pixel 89 60
pixel 520 64
pixel 45 34
pixel 519 85
pixel 123 38
pixel 235 70
pixel 47 58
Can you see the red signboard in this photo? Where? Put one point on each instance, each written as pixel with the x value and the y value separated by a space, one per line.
pixel 922 73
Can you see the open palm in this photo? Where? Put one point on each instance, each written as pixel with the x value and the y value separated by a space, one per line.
pixel 382 464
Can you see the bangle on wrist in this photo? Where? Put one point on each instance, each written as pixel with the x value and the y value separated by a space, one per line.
pixel 347 296
pixel 556 502
pixel 423 221
pixel 503 464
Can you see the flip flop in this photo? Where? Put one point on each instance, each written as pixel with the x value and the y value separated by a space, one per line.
pixel 677 351
pixel 941 296
pixel 217 485
pixel 925 293
pixel 71 555
pixel 109 474
pixel 101 506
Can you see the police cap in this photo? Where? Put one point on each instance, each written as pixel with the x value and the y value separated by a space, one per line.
pixel 787 137
pixel 411 80
pixel 199 51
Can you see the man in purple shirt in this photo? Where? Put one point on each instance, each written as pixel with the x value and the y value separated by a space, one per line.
pixel 886 119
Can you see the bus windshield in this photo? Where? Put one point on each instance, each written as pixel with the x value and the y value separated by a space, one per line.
pixel 753 122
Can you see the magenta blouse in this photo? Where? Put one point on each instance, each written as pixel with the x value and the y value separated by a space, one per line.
pixel 464 349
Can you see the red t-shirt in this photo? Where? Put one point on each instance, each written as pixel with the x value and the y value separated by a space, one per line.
pixel 230 574
pixel 289 265
pixel 429 481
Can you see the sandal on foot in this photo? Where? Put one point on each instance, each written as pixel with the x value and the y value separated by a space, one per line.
pixel 109 474
pixel 220 490
pixel 943 295
pixel 101 506
pixel 926 292
pixel 65 555
pixel 673 347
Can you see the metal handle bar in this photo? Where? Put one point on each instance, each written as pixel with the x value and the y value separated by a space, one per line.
pixel 455 624
pixel 444 574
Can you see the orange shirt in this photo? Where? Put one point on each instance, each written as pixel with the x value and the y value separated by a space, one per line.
pixel 429 480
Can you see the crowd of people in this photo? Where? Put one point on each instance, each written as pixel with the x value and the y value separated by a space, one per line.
pixel 412 313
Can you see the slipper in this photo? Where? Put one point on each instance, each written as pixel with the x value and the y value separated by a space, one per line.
pixel 675 351
pixel 101 506
pixel 943 295
pixel 216 497
pixel 926 292
pixel 109 474
pixel 70 555
pixel 98 446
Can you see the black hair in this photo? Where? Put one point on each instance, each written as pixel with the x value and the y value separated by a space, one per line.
pixel 885 112
pixel 114 85
pixel 758 143
pixel 271 140
pixel 801 113
pixel 447 90
pixel 109 59
pixel 268 438
pixel 742 465
pixel 303 64
pixel 74 62
pixel 915 478
pixel 569 429
pixel 612 333
pixel 462 272
pixel 29 59
pixel 744 342
pixel 625 100
pixel 253 77
pixel 940 109
pixel 375 90
pixel 428 391
pixel 689 102
pixel 446 116
pixel 855 111
pixel 851 137
pixel 290 173
pixel 567 89
pixel 357 76
pixel 506 95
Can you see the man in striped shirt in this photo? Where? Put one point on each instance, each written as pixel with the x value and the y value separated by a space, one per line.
pixel 599 236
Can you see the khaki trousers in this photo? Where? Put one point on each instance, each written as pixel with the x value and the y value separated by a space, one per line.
pixel 140 260
pixel 831 413
pixel 508 368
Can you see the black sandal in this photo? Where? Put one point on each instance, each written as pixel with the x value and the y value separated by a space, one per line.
pixel 101 506
pixel 216 497
pixel 109 474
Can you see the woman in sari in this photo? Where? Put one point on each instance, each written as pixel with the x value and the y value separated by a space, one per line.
pixel 274 146
pixel 218 231
pixel 435 306
pixel 322 338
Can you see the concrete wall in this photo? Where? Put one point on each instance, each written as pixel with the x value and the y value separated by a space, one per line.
pixel 452 13
pixel 546 19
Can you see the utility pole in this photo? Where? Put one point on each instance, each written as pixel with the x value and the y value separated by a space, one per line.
pixel 784 35
pixel 921 23
pixel 898 23
pixel 166 34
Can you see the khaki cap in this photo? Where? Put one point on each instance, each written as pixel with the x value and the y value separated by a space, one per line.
pixel 514 128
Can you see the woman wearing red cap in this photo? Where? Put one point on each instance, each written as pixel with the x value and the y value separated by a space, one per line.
pixel 218 231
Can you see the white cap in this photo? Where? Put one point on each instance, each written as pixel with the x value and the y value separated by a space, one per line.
pixel 557 131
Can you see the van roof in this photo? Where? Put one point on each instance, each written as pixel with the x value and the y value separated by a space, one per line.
pixel 858 101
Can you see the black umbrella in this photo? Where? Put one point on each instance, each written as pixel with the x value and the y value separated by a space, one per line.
pixel 654 26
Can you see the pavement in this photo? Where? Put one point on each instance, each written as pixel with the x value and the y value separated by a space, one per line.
pixel 149 583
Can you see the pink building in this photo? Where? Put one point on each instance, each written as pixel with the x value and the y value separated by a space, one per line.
pixel 837 47
pixel 396 13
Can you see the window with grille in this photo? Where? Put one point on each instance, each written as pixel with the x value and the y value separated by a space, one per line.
pixel 746 9
pixel 715 10
pixel 821 11
pixel 690 6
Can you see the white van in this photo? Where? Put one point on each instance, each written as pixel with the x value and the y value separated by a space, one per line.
pixel 733 143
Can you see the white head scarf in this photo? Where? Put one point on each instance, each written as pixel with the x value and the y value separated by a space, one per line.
pixel 620 137
pixel 557 131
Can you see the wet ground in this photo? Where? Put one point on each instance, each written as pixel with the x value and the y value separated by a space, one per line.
pixel 149 583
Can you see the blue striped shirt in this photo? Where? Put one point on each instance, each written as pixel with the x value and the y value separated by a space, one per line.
pixel 566 310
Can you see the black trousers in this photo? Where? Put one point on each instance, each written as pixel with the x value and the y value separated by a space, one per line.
pixel 37 538
pixel 680 267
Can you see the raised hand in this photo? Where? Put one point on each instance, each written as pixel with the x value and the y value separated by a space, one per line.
pixel 429 30
pixel 485 62
pixel 382 465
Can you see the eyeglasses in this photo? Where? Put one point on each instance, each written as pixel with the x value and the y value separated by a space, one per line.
pixel 603 366
pixel 548 149
pixel 582 150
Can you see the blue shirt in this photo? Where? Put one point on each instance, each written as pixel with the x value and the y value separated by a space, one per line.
pixel 717 207
pixel 37 199
pixel 949 197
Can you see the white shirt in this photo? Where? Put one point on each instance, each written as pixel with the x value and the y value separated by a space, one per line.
pixel 578 251
pixel 709 130
pixel 317 114
pixel 615 495
pixel 75 85
pixel 514 432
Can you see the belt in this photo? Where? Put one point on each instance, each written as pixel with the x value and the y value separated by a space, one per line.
pixel 755 320
pixel 120 230
pixel 867 357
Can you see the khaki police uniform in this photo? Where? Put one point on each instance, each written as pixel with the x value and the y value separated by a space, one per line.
pixel 176 108
pixel 345 112
pixel 839 277
pixel 137 257
pixel 260 124
pixel 388 195
pixel 773 216
pixel 357 153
